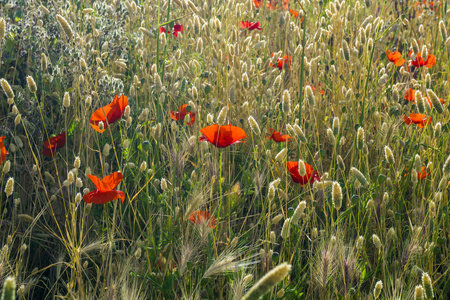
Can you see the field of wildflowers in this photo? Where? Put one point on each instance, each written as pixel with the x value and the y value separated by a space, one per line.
pixel 224 149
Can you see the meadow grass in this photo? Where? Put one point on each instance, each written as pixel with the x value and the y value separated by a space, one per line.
pixel 353 204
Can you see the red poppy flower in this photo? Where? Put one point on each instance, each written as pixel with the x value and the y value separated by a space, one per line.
pixel 110 113
pixel 53 144
pixel 3 151
pixel 322 92
pixel 285 61
pixel 250 25
pixel 276 136
pixel 201 216
pixel 420 119
pixel 420 175
pixel 310 176
pixel 106 189
pixel 410 95
pixel 419 62
pixel 395 57
pixel 257 3
pixel 222 136
pixel 295 14
pixel 181 114
pixel 176 29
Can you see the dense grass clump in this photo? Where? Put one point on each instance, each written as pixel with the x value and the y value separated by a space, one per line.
pixel 224 149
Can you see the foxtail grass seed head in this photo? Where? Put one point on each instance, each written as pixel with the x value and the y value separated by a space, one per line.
pixel 298 212
pixel 417 163
pixel 359 242
pixel 419 293
pixel 6 167
pixel 164 186
pixel 301 167
pixel 7 89
pixel 377 290
pixel 376 241
pixel 286 228
pixel 2 28
pixel 9 289
pixel 65 26
pixel 286 101
pixel 427 285
pixel 299 133
pixel 277 219
pixel 31 84
pixel 336 196
pixel 271 192
pixel 281 155
pixel 360 138
pixel 420 102
pixel 66 100
pixel 340 163
pixel 270 280
pixel 428 81
pixel 359 176
pixel 388 155
pixel 391 236
pixel 435 101
pixel 79 183
pixel 101 125
pixel 346 50
pixel 309 95
pixel 9 187
pixel 369 45
pixel 331 137
pixel 336 126
pixel 437 130
pixel 221 118
pixel 415 46
pixel 254 125
pixel 143 166
pixel 446 167
pixel 442 30
pixel 77 162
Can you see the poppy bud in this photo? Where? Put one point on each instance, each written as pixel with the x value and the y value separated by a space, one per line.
pixel 377 290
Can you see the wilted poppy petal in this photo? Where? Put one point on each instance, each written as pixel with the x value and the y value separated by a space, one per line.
pixel 53 144
pixel 277 137
pixel 410 95
pixel 201 216
pixel 3 151
pixel 257 3
pixel 431 61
